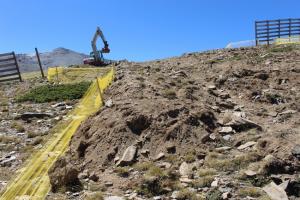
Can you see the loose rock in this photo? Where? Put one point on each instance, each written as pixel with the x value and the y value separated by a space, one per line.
pixel 128 156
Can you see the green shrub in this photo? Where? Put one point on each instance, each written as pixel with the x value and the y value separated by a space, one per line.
pixel 48 93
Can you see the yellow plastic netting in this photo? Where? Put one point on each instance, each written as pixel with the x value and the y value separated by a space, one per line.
pixel 287 40
pixel 32 181
pixel 69 75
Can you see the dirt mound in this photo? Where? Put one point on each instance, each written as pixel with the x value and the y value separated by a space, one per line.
pixel 233 102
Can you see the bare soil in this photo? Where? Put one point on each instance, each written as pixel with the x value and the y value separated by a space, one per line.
pixel 177 109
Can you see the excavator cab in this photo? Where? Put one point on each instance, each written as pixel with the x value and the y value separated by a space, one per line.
pixel 96 57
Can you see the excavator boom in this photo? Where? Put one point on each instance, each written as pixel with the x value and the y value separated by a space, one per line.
pixel 97 57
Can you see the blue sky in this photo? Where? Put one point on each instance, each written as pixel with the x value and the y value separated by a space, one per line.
pixel 135 29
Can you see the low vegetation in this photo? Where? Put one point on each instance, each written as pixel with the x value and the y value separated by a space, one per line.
pixel 187 194
pixel 48 93
pixel 224 163
pixel 250 191
pixel 122 171
pixel 95 196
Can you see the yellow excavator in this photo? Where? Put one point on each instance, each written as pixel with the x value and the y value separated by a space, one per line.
pixel 96 56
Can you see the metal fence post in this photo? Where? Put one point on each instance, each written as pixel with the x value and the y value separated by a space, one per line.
pixel 39 61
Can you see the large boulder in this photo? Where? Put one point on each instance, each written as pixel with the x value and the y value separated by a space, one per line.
pixel 275 192
pixel 128 156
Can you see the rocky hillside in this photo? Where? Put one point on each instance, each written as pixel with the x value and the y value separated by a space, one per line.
pixel 221 124
pixel 57 57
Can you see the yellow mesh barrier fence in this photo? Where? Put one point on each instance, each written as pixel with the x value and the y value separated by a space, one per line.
pixel 69 75
pixel 288 40
pixel 32 181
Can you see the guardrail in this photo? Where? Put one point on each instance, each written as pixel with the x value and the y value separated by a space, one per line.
pixel 9 68
pixel 269 30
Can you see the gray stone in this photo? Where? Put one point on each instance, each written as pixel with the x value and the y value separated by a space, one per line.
pixel 222 149
pixel 145 152
pixel 226 195
pixel 185 169
pixel 275 192
pixel 116 159
pixel 215 183
pixel 284 184
pixel 113 198
pixel 185 180
pixel 296 151
pixel 108 184
pixel 109 103
pixel 211 87
pixel 128 156
pixel 288 112
pixel 69 107
pixel 7 161
pixel 246 145
pixel 212 136
pixel 250 173
pixel 159 156
pixel 224 95
pixel 132 196
pixel 174 194
pixel 242 124
pixel 240 114
pixel 272 114
pixel 227 137
pixel 60 104
pixel 226 130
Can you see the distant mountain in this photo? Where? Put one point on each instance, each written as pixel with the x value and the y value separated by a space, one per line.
pixel 57 57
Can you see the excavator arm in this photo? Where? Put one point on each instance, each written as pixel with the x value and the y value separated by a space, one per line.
pixel 105 49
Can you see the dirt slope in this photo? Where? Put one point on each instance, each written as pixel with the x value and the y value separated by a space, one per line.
pixel 228 111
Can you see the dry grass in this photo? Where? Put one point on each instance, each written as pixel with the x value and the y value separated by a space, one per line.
pixel 143 166
pixel 206 172
pixel 156 172
pixel 94 196
pixel 122 171
pixel 17 126
pixel 37 140
pixel 6 139
pixel 203 182
pixel 190 157
pixel 185 194
pixel 250 191
pixel 226 163
pixel 169 93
